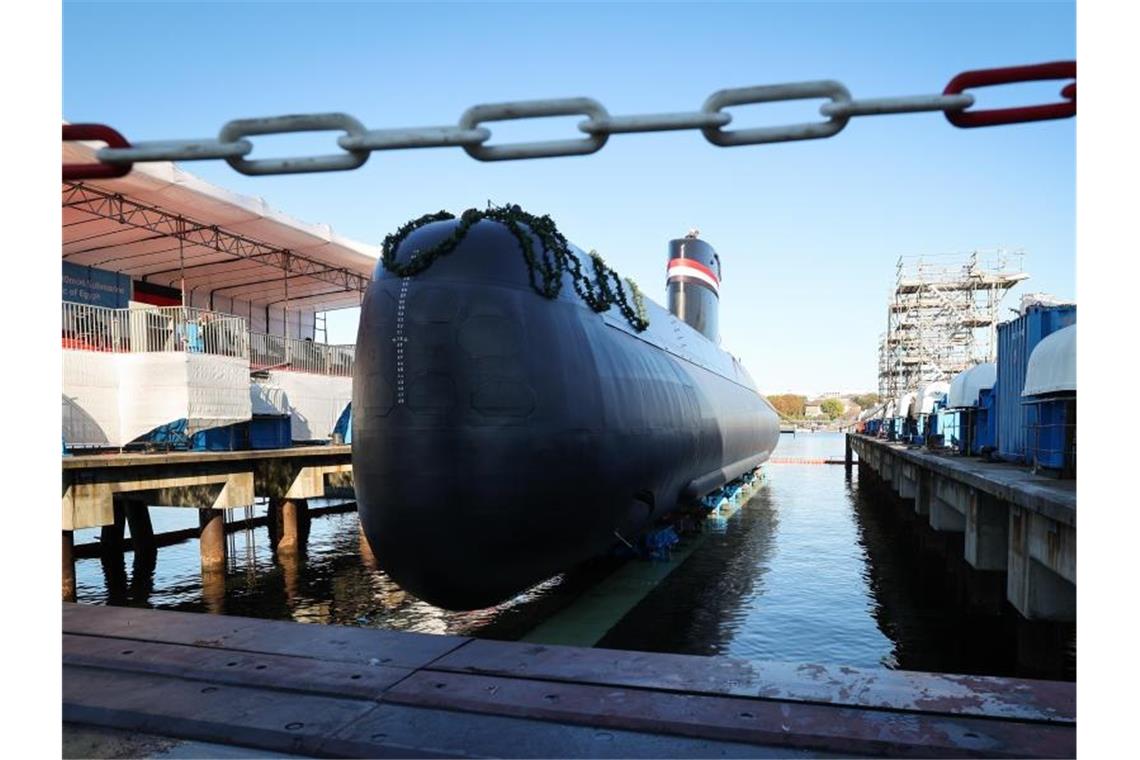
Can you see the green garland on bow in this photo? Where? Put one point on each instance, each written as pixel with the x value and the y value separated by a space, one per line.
pixel 544 268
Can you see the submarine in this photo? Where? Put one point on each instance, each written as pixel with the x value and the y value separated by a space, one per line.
pixel 519 408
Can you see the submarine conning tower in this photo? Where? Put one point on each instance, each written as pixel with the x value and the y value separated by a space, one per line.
pixel 693 284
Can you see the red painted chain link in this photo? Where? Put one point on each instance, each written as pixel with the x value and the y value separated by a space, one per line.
pixel 98 170
pixel 1009 75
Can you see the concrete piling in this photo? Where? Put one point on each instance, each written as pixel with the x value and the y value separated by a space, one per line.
pixel 212 539
pixel 68 566
pixel 290 519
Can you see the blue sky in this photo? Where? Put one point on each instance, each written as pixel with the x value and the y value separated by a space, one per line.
pixel 808 232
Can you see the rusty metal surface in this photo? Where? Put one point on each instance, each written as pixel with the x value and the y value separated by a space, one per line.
pixel 761 721
pixel 322 690
pixel 396 649
pixel 1012 698
pixel 451 733
pixel 237 668
pixel 259 718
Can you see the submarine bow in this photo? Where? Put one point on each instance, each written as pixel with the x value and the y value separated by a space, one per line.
pixel 518 407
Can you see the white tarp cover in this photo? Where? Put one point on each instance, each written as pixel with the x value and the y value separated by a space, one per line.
pixel 1052 366
pixel 1039 299
pixel 152 392
pixel 112 399
pixel 923 403
pixel 964 388
pixel 316 402
pixel 903 404
pixel 90 398
pixel 217 391
pixel 268 400
pixel 90 240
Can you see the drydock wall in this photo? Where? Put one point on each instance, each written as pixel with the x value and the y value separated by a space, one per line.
pixel 1011 521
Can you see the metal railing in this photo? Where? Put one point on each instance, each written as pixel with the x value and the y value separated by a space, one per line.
pixel 95 328
pixel 276 352
pixel 197 331
pixel 1052 437
pixel 184 328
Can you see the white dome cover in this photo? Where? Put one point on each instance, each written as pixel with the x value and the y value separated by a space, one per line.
pixel 1052 366
pixel 923 403
pixel 965 387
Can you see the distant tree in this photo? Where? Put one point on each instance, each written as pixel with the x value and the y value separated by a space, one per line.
pixel 831 407
pixel 866 400
pixel 789 404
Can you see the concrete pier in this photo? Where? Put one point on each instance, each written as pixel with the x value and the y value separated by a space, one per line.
pixel 108 491
pixel 196 479
pixel 1007 520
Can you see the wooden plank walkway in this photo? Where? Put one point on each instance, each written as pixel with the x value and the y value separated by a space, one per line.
pixel 338 691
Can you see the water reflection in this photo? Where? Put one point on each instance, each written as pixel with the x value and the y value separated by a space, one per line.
pixel 143 567
pixel 813 568
pixel 335 580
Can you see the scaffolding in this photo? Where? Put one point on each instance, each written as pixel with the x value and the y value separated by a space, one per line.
pixel 942 316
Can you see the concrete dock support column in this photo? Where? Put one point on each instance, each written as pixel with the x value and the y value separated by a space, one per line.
pixel 290 519
pixel 922 494
pixel 987 532
pixel 212 539
pixel 68 566
pixel 1042 573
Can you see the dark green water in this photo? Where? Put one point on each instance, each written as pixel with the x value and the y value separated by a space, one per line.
pixel 813 568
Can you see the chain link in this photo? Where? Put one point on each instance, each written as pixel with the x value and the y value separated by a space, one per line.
pixel 474 116
pixel 233 131
pixel 826 88
pixel 358 142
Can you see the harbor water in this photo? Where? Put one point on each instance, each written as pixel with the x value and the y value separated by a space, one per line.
pixel 811 568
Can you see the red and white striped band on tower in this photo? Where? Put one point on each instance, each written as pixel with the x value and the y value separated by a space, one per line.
pixel 693 269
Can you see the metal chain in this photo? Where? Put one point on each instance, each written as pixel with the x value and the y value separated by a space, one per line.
pixel 357 143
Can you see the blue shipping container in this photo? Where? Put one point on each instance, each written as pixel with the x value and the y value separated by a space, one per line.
pixel 1016 341
pixel 226 438
pixel 985 423
pixel 270 432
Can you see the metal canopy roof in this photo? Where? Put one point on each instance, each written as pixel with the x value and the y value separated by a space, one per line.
pixel 232 245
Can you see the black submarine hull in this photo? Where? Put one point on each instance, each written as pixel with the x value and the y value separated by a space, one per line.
pixel 500 437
